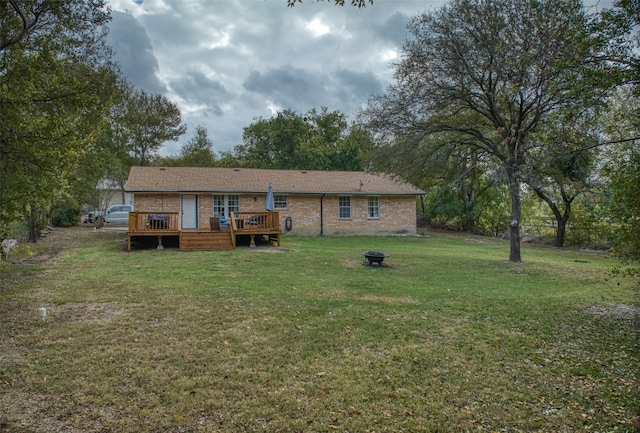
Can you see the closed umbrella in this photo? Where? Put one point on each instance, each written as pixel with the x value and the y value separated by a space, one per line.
pixel 269 203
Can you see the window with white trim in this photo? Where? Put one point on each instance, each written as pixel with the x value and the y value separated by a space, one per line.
pixel 373 208
pixel 344 206
pixel 233 203
pixel 218 205
pixel 280 201
pixel 224 204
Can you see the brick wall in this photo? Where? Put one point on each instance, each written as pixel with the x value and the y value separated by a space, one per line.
pixel 205 210
pixel 397 214
pixel 163 202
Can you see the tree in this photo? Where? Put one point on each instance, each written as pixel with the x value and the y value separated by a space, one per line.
pixel 49 126
pixel 565 166
pixel 272 143
pixel 353 150
pixel 460 174
pixel 56 83
pixel 489 73
pixel 316 141
pixel 198 151
pixel 109 161
pixel 75 28
pixel 617 28
pixel 145 122
pixel 622 169
pixel 625 201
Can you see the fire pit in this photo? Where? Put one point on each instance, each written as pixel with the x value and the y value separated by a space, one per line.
pixel 374 257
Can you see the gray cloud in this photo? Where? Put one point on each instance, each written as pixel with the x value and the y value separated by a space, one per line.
pixel 199 89
pixel 394 29
pixel 228 62
pixel 287 86
pixel 134 53
pixel 363 84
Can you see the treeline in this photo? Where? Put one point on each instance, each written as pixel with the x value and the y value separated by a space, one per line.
pixel 67 116
pixel 316 140
pixel 515 117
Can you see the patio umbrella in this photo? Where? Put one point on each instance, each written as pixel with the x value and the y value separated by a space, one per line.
pixel 269 203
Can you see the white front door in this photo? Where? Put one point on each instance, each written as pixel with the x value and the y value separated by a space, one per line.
pixel 189 211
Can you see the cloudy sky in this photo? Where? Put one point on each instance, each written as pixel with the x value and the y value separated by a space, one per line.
pixel 226 63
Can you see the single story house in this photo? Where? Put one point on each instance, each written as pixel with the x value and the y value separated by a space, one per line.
pixel 305 202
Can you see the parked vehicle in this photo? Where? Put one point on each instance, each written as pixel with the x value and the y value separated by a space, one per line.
pixel 116 214
pixel 93 215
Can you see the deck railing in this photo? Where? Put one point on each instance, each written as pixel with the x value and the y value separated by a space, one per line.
pixel 240 222
pixel 154 221
pixel 255 222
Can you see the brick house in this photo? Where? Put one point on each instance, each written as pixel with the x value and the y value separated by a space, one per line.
pixel 308 203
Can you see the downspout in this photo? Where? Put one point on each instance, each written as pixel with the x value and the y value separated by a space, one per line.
pixel 321 217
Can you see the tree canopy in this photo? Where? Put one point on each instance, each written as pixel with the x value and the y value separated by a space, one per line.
pixel 621 167
pixel 488 74
pixel 145 122
pixel 197 152
pixel 74 30
pixel 314 141
pixel 56 84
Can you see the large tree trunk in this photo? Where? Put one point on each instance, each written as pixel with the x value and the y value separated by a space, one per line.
pixel 469 201
pixel 562 221
pixel 33 226
pixel 560 232
pixel 470 224
pixel 514 221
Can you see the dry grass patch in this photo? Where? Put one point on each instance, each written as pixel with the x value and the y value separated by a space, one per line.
pixel 389 299
pixel 626 312
pixel 87 312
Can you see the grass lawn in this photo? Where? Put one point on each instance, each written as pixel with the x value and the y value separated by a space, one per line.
pixel 449 338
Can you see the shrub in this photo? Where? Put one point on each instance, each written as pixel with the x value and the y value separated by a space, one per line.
pixel 65 217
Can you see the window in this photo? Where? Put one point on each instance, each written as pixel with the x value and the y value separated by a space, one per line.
pixel 344 207
pixel 218 205
pixel 280 201
pixel 224 204
pixel 373 208
pixel 234 203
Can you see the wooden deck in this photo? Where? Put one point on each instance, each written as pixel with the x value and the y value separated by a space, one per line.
pixel 254 224
pixel 241 225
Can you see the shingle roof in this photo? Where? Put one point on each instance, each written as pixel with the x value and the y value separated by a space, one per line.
pixel 253 180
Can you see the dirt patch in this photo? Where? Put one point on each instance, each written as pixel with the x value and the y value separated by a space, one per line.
pixel 475 240
pixel 351 264
pixel 36 414
pixel 49 248
pixel 87 312
pixel 270 250
pixel 616 311
pixel 387 299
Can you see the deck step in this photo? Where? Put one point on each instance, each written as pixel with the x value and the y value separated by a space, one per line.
pixel 206 241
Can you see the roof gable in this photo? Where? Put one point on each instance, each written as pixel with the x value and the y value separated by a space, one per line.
pixel 253 180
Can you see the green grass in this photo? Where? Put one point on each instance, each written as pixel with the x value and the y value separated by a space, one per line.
pixel 449 337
